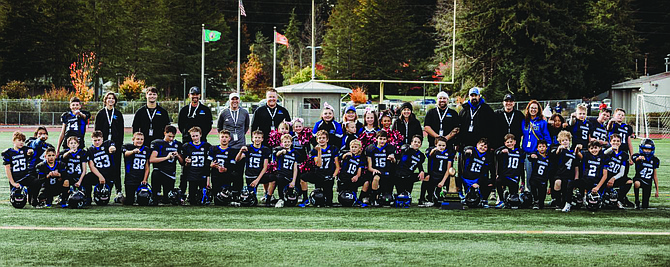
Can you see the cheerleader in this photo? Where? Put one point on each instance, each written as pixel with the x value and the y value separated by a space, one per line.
pixel 369 131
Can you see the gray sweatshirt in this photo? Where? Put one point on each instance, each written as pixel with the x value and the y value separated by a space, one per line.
pixel 237 124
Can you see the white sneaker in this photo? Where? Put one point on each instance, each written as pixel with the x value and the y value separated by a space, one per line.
pixel 428 204
pixel 280 204
pixel 119 198
pixel 619 205
pixel 567 207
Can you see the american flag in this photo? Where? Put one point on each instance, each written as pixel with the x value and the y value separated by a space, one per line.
pixel 244 13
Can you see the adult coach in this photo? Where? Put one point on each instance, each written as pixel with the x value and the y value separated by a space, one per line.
pixel 268 117
pixel 109 121
pixel 476 120
pixel 407 124
pixel 194 114
pixel 236 120
pixel 442 121
pixel 507 121
pixel 151 119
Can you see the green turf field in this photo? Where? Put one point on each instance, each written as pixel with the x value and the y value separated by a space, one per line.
pixel 259 236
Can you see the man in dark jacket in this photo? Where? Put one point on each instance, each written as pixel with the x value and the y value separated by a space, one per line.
pixel 508 121
pixel 194 114
pixel 477 120
pixel 441 121
pixel 268 117
pixel 151 119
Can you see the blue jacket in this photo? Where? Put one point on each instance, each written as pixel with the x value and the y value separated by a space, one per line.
pixel 537 131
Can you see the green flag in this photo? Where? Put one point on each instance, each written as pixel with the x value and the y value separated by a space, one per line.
pixel 212 36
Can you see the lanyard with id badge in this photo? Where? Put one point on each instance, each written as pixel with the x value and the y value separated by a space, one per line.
pixel 235 118
pixel 472 119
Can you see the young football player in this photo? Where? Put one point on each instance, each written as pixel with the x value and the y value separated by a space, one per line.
pixel 101 162
pixel 564 165
pixel 540 174
pixel 257 159
pixel 618 125
pixel 328 124
pixel 617 170
pixel 196 166
pixel 17 160
pixel 410 160
pixel 476 168
pixel 165 153
pixel 136 156
pixel 440 160
pixel 74 124
pixel 38 143
pixel 327 168
pixel 510 164
pixel 380 158
pixel 593 171
pixel 645 170
pixel 598 131
pixel 351 177
pixel 579 127
pixel 75 160
pixel 350 135
pixel 287 166
pixel 223 171
pixel 49 174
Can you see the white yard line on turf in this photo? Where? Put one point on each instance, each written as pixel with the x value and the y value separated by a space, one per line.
pixel 333 231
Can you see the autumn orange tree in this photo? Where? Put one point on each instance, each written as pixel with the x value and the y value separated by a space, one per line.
pixel 82 72
pixel 358 95
pixel 131 88
pixel 255 79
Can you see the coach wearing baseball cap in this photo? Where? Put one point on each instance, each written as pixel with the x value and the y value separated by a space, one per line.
pixel 195 114
pixel 441 121
pixel 236 120
pixel 508 121
pixel 476 119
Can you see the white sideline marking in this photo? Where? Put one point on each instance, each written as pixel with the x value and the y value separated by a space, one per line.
pixel 332 231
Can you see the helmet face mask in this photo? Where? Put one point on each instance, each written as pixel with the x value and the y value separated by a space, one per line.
pixel 175 196
pixel 224 197
pixel 101 194
pixel 317 197
pixel 248 197
pixel 76 199
pixel 647 144
pixel 143 195
pixel 290 197
pixel 526 199
pixel 347 198
pixel 593 201
pixel 513 201
pixel 19 197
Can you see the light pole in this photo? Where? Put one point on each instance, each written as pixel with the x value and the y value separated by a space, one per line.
pixel 313 59
pixel 118 79
pixel 184 75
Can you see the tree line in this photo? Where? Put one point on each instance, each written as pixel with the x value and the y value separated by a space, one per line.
pixel 534 48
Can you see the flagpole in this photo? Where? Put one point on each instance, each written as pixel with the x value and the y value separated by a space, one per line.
pixel 202 71
pixel 274 60
pixel 313 43
pixel 239 26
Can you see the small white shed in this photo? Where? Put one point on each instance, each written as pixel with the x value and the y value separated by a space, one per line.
pixel 306 100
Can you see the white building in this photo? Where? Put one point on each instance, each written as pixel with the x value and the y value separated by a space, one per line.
pixel 625 94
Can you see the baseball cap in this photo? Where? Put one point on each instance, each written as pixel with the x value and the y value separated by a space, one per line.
pixel 509 97
pixel 350 108
pixel 442 94
pixel 233 95
pixel 474 90
pixel 194 90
